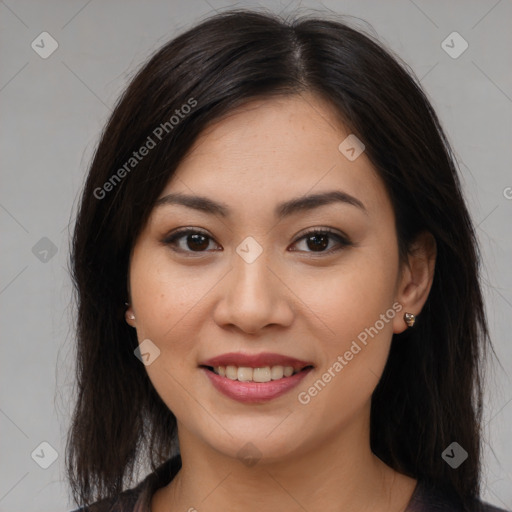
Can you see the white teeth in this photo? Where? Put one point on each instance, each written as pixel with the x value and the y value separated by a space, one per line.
pixel 231 372
pixel 244 374
pixel 288 371
pixel 262 374
pixel 247 374
pixel 277 372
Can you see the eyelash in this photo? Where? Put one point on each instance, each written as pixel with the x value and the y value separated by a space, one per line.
pixel 342 240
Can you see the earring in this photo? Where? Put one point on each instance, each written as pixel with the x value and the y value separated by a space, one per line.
pixel 409 319
pixel 131 316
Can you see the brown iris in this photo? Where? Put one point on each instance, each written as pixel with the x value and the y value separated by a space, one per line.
pixel 318 245
pixel 197 241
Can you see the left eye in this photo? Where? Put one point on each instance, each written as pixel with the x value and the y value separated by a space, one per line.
pixel 318 240
pixel 198 241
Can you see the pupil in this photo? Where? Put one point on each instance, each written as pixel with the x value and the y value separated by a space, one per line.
pixel 316 245
pixel 196 242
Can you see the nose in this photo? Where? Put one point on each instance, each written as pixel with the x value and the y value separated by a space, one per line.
pixel 253 296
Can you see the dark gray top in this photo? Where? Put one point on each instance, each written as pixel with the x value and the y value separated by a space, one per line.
pixel 426 498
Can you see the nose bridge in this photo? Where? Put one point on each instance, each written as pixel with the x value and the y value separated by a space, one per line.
pixel 252 296
pixel 251 281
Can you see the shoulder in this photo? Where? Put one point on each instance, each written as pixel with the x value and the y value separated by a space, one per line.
pixel 124 502
pixel 138 498
pixel 429 498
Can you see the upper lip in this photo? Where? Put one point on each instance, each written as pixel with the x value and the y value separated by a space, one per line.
pixel 255 360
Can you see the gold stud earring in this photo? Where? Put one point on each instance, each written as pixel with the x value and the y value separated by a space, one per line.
pixel 409 319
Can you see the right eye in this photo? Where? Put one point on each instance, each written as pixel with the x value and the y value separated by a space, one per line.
pixel 189 241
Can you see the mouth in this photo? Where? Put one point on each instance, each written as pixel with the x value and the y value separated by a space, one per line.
pixel 260 374
pixel 255 378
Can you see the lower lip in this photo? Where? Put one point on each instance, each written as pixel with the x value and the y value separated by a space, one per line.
pixel 254 392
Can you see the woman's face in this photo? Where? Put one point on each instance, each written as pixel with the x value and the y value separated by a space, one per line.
pixel 251 282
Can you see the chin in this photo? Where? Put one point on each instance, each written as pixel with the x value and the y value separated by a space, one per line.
pixel 256 446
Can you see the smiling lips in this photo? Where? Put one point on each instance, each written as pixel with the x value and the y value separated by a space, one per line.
pixel 255 378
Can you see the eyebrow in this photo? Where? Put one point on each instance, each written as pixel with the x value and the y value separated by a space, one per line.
pixel 285 209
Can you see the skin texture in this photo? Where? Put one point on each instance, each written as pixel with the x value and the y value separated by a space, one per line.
pixel 305 303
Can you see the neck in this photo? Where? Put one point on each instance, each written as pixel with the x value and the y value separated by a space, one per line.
pixel 339 474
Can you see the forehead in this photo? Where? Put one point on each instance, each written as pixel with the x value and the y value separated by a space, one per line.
pixel 268 130
pixel 273 149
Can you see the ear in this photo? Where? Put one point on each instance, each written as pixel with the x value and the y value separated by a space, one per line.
pixel 416 278
pixel 129 316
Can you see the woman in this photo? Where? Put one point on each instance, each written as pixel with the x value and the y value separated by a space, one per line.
pixel 277 284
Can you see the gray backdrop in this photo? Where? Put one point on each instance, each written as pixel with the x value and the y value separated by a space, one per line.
pixel 55 100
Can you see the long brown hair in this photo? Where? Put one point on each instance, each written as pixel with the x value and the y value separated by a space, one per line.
pixel 431 391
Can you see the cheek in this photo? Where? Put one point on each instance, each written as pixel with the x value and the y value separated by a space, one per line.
pixel 352 298
pixel 165 302
pixel 354 303
pixel 165 295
